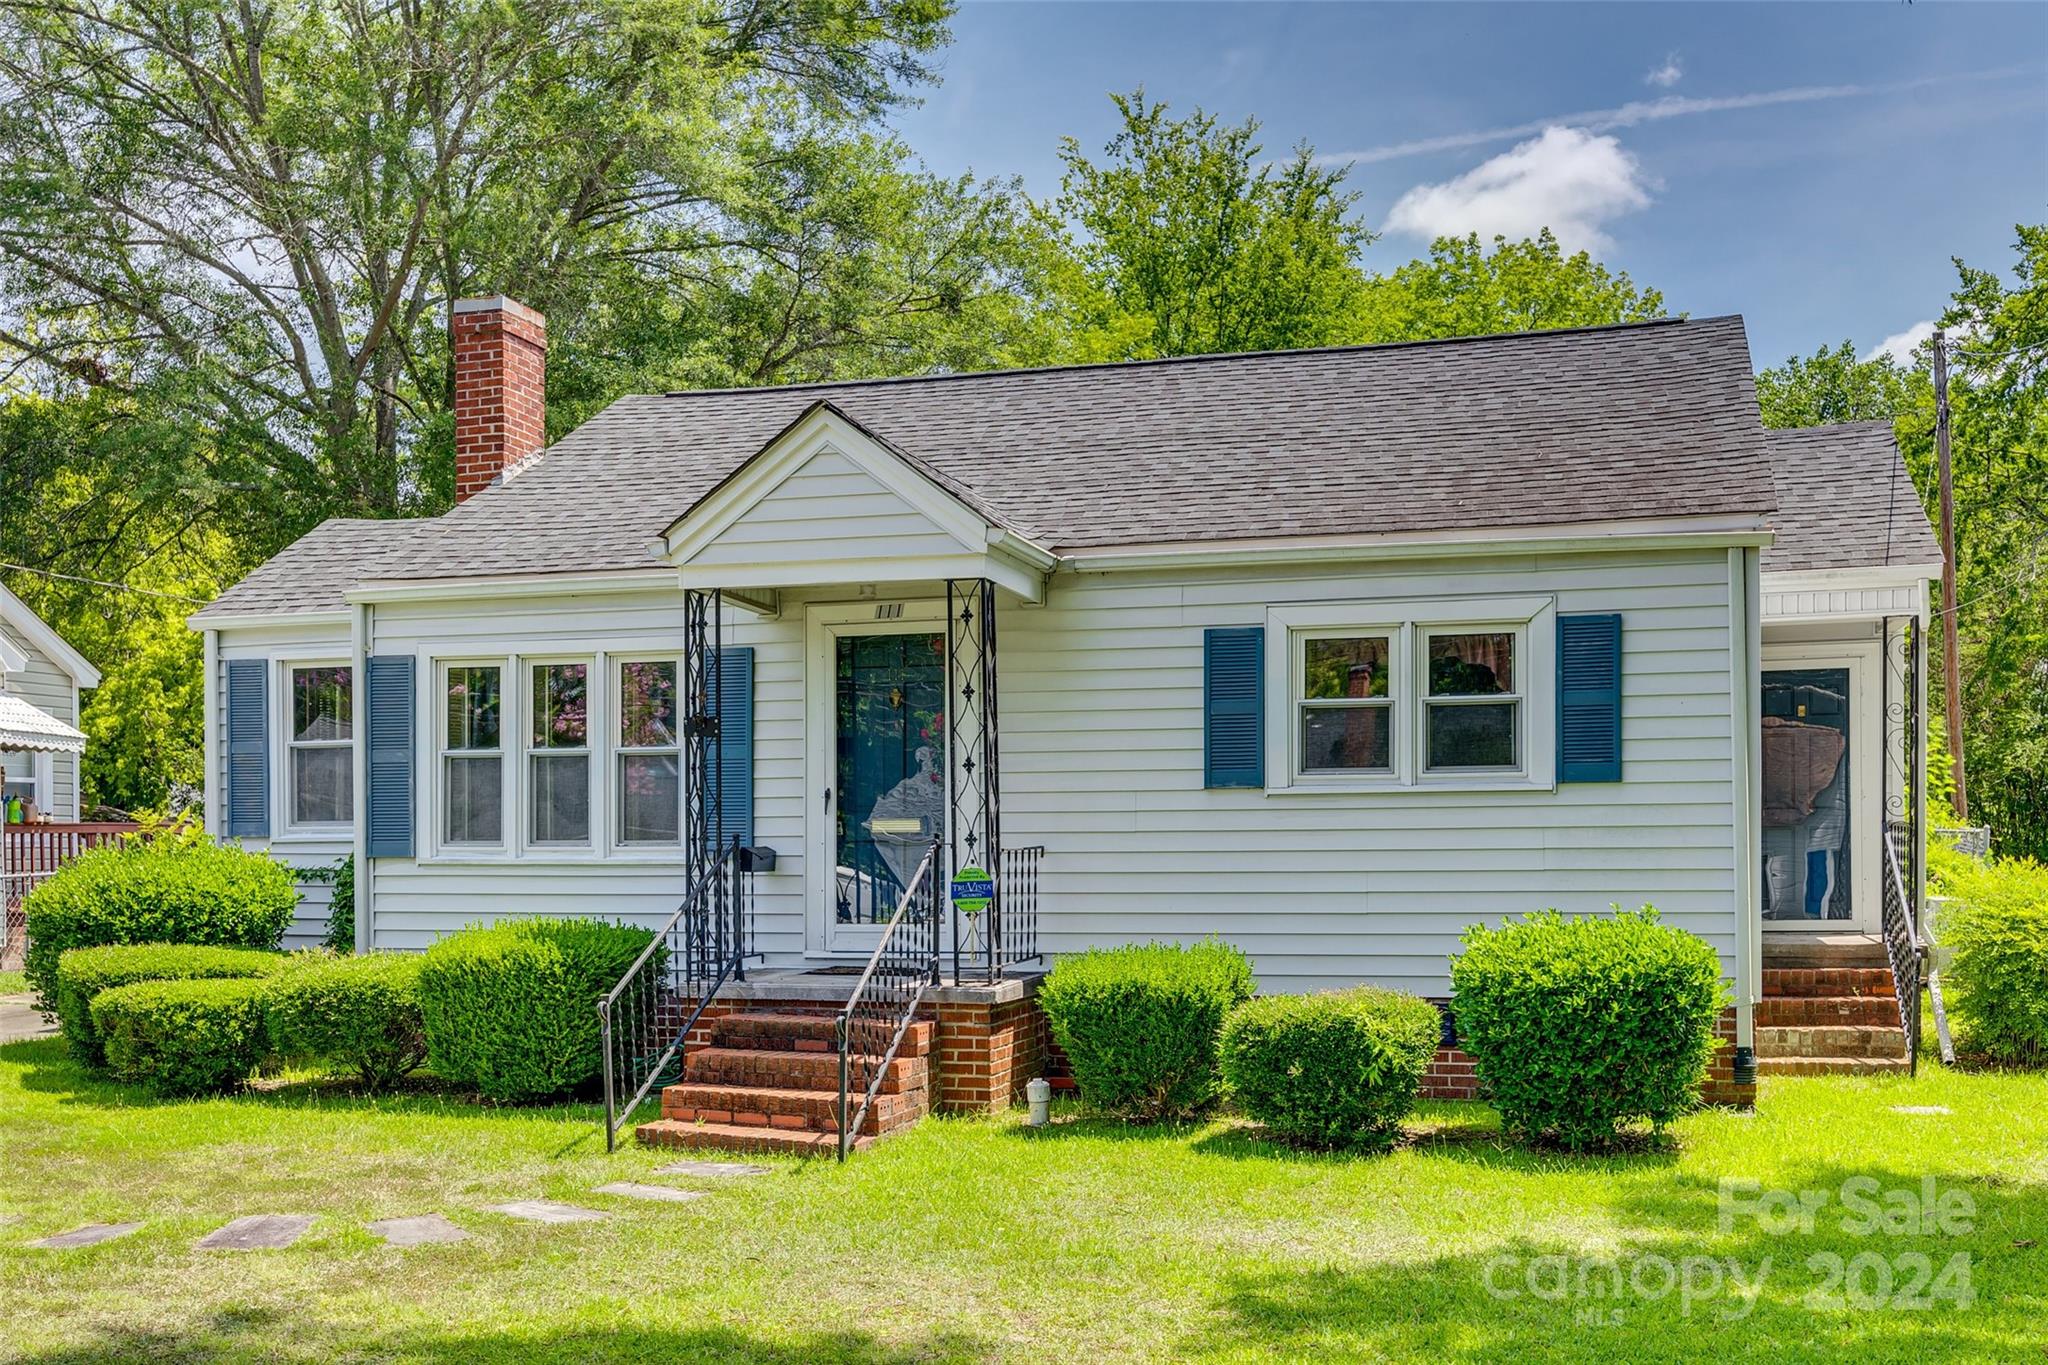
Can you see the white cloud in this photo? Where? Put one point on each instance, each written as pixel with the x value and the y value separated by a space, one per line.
pixel 1568 180
pixel 1901 345
pixel 1667 75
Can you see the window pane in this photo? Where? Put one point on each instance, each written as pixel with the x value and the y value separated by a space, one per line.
pixel 647 705
pixel 322 783
pixel 1345 738
pixel 473 698
pixel 649 804
pixel 321 704
pixel 475 799
pixel 1480 736
pixel 1344 668
pixel 1471 665
pixel 561 799
pixel 559 710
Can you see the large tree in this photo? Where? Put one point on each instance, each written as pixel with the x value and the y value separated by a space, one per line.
pixel 1464 288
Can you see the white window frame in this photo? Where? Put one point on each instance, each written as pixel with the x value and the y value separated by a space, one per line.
pixel 1425 701
pixel 508 812
pixel 42 771
pixel 1532 620
pixel 286 816
pixel 617 751
pixel 595 714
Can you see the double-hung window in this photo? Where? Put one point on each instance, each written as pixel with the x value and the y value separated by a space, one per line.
pixel 1347 703
pixel 1472 710
pixel 558 757
pixel 649 771
pixel 322 756
pixel 473 756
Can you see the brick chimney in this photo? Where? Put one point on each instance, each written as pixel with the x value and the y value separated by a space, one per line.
pixel 501 353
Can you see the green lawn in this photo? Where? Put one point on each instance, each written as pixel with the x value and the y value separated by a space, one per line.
pixel 982 1240
pixel 13 983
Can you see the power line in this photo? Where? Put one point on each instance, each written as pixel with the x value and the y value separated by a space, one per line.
pixel 103 583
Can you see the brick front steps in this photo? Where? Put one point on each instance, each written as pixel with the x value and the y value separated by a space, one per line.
pixel 768 1080
pixel 1823 1021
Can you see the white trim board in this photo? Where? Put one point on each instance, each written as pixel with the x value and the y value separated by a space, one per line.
pixel 38 633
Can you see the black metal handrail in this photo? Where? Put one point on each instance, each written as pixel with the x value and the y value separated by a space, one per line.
pixel 1006 933
pixel 704 944
pixel 1902 948
pixel 884 1002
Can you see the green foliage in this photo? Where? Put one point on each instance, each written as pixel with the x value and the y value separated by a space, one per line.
pixel 83 973
pixel 1996 931
pixel 362 1013
pixel 341 902
pixel 511 1008
pixel 183 1037
pixel 1580 1025
pixel 1333 1069
pixel 1466 289
pixel 1832 386
pixel 1140 1024
pixel 176 887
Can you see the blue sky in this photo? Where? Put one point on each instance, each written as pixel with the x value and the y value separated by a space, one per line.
pixel 1812 167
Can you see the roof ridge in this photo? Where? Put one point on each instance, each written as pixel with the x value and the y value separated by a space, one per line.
pixel 1210 357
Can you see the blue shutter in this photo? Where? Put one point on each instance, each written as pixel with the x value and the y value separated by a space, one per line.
pixel 735 747
pixel 1233 709
pixel 389 709
pixel 1589 698
pixel 247 807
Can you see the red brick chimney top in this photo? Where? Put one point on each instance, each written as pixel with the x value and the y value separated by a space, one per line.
pixel 501 349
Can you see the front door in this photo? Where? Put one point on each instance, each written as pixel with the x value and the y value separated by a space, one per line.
pixel 1820 824
pixel 878 707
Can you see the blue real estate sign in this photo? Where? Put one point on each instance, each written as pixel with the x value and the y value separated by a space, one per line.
pixel 972 889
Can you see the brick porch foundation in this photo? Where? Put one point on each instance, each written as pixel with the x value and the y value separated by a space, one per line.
pixel 1452 1076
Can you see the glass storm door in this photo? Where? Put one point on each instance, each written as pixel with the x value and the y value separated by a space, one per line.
pixel 1810 800
pixel 888 774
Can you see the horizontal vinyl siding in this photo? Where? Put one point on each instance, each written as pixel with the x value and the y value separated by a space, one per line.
pixel 831 511
pixel 49 689
pixel 1102 763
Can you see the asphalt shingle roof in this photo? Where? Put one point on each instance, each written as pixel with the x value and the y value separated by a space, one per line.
pixel 1599 424
pixel 1845 501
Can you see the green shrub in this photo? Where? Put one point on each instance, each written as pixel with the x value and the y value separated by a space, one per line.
pixel 1140 1024
pixel 183 1037
pixel 177 887
pixel 1995 931
pixel 362 1013
pixel 1577 1026
pixel 82 973
pixel 1333 1069
pixel 512 1008
pixel 341 902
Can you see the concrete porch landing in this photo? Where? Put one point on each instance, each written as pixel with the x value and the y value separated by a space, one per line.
pixel 1817 951
pixel 820 987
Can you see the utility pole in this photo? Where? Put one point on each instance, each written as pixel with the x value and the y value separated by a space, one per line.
pixel 1951 666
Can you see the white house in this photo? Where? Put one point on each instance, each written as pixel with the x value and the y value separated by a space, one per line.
pixel 40 678
pixel 1330 653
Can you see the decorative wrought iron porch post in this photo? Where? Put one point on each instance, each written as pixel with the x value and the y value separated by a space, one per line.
pixel 973 782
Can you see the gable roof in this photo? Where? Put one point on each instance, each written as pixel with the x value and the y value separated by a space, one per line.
pixel 46 641
pixel 1845 501
pixel 1649 420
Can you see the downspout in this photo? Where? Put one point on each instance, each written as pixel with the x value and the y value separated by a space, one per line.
pixel 209 720
pixel 1745 665
pixel 359 756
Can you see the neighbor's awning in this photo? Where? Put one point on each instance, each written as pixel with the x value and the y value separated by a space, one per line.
pixel 23 726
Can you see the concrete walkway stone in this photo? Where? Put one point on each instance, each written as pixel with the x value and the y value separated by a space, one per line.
pixel 91 1235
pixel 547 1211
pixel 714 1168
pixel 19 1022
pixel 424 1230
pixel 257 1232
pixel 628 1189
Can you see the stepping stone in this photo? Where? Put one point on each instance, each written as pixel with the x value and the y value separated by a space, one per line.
pixel 91 1235
pixel 1920 1109
pixel 547 1211
pixel 257 1232
pixel 712 1168
pixel 424 1230
pixel 666 1193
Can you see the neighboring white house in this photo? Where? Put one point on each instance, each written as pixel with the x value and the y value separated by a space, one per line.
pixel 1330 653
pixel 39 670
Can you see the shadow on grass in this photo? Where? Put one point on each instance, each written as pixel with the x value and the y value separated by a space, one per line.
pixel 711 1345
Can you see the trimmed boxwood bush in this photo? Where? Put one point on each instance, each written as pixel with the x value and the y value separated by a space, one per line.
pixel 1577 1026
pixel 1334 1069
pixel 178 887
pixel 83 973
pixel 1140 1024
pixel 511 1008
pixel 1995 930
pixel 361 1013
pixel 183 1037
